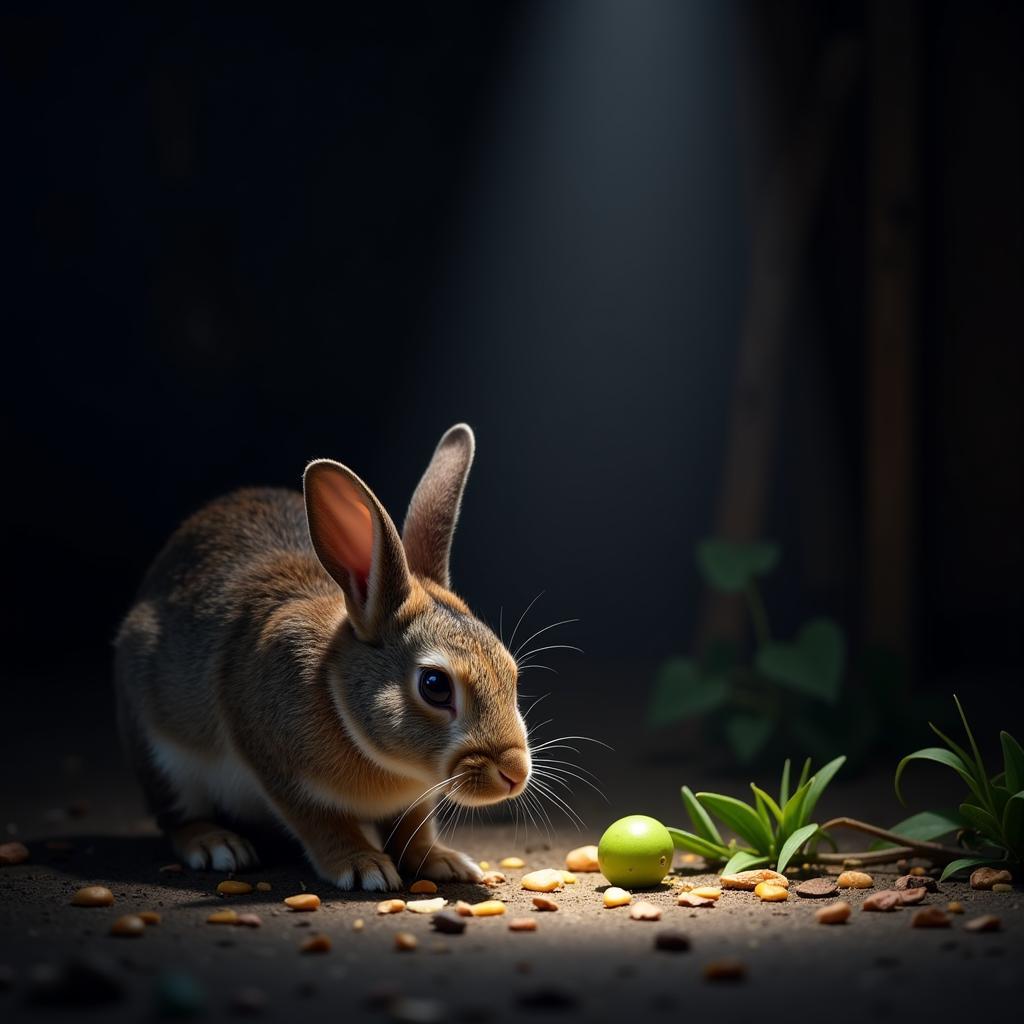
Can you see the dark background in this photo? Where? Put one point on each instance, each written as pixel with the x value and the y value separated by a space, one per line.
pixel 238 243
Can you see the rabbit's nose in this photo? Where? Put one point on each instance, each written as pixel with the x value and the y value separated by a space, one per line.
pixel 513 766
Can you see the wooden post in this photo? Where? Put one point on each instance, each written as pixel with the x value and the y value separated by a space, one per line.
pixel 892 248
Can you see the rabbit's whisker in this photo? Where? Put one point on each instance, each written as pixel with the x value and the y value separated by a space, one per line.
pixel 546 791
pixel 529 711
pixel 550 647
pixel 419 799
pixel 546 668
pixel 570 764
pixel 512 638
pixel 564 622
pixel 542 811
pixel 448 815
pixel 550 771
pixel 587 739
pixel 539 725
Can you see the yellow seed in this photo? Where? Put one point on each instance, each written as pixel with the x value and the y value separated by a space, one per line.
pixel 358 924
pixel 645 912
pixel 93 896
pixel 426 906
pixel 1002 887
pixel 405 942
pixel 423 885
pixel 956 907
pixel 522 924
pixel 303 901
pixel 583 858
pixel 568 877
pixel 233 888
pixel 463 909
pixel 223 917
pixel 316 944
pixel 543 903
pixel 489 908
pixel 834 913
pixel 917 870
pixel 616 897
pixel 748 880
pixel 484 865
pixel 263 887
pixel 546 880
pixel 150 917
pixel 131 926
pixel 855 880
pixel 707 892
pixel 769 892
pixel 390 906
pixel 512 862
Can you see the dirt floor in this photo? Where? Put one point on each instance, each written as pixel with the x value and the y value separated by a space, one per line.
pixel 68 798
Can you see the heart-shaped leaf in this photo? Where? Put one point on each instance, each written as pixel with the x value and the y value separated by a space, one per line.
pixel 812 665
pixel 794 843
pixel 747 735
pixel 682 691
pixel 730 566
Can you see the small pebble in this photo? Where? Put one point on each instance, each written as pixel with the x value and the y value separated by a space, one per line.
pixel 672 940
pixel 263 887
pixel 728 969
pixel 522 924
pixel 1002 887
pixel 448 922
pixel 316 944
pixel 886 899
pixel 13 853
pixel 834 913
pixel 918 870
pixel 426 906
pixel 855 880
pixel 223 917
pixel 616 897
pixel 463 909
pixel 150 917
pixel 358 924
pixel 405 942
pixel 816 888
pixel 644 911
pixel 547 880
pixel 488 908
pixel 93 896
pixel 769 892
pixel 749 880
pixel 916 882
pixel 131 926
pixel 955 907
pixel 985 923
pixel 985 878
pixel 511 862
pixel 249 920
pixel 390 906
pixel 303 901
pixel 230 887
pixel 544 903
pixel 583 858
pixel 424 885
pixel 930 917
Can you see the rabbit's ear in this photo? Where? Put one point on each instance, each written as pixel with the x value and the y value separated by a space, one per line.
pixel 434 509
pixel 357 543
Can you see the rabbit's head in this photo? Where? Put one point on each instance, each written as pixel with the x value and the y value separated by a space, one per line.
pixel 424 688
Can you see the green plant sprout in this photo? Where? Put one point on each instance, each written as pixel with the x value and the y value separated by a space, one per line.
pixel 770 832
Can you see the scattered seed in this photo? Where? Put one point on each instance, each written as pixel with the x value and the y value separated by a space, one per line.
pixel 834 913
pixel 263 887
pixel 522 924
pixel 489 908
pixel 855 880
pixel 816 888
pixel 916 882
pixel 405 942
pixel 448 922
pixel 390 906
pixel 886 899
pixel 707 892
pixel 671 940
pixel 616 897
pixel 511 862
pixel 643 911
pixel 250 920
pixel 955 907
pixel 688 899
pixel 918 870
pixel 484 865
pixel 426 906
pixel 728 969
pixel 930 917
pixel 13 853
pixel 423 885
pixel 93 896
pixel 985 923
pixel 546 880
pixel 223 917
pixel 749 880
pixel 358 924
pixel 463 909
pixel 149 917
pixel 303 901
pixel 583 858
pixel 769 892
pixel 131 926
pixel 493 878
pixel 569 878
pixel 316 944
pixel 233 888
pixel 909 897
pixel 1002 887
pixel 544 903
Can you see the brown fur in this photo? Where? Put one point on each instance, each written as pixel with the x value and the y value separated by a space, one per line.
pixel 249 657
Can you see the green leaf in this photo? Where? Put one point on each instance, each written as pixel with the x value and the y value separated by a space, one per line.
pixel 982 775
pixel 768 802
pixel 955 747
pixel 740 817
pixel 793 843
pixel 928 826
pixel 984 821
pixel 747 735
pixel 681 691
pixel 682 840
pixel 702 823
pixel 784 784
pixel 822 777
pixel 805 773
pixel 1013 762
pixel 941 756
pixel 729 566
pixel 1013 822
pixel 743 860
pixel 812 665
pixel 762 812
pixel 963 864
pixel 793 816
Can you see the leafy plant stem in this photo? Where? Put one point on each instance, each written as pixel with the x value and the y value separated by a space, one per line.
pixel 758 614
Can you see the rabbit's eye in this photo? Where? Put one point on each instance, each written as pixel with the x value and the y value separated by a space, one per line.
pixel 436 687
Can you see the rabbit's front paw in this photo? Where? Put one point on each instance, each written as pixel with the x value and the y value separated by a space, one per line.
pixel 370 870
pixel 442 864
pixel 204 844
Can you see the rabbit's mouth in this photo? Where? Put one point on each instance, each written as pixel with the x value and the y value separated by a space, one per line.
pixel 488 778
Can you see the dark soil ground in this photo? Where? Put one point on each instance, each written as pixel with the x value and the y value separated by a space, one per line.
pixel 67 796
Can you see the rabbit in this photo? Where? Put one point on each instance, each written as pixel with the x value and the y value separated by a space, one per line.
pixel 291 658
